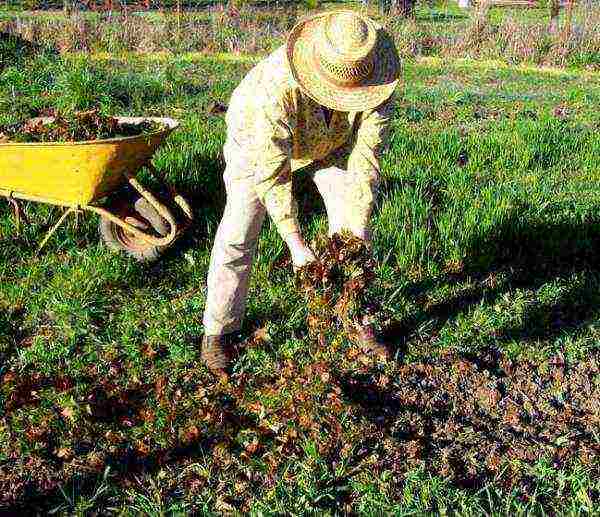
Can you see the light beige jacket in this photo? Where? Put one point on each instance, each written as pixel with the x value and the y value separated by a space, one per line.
pixel 279 130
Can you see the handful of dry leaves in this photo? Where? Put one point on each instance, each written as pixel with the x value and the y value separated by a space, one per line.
pixel 337 285
pixel 76 127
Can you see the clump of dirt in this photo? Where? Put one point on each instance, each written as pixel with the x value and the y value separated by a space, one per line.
pixel 76 127
pixel 337 286
pixel 488 418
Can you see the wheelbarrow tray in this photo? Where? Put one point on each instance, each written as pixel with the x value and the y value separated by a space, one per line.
pixel 75 174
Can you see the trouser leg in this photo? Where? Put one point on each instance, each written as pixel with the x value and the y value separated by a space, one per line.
pixel 232 256
pixel 337 187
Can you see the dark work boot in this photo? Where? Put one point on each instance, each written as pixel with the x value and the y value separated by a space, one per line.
pixel 218 353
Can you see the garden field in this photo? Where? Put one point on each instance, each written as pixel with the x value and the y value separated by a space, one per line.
pixel 487 240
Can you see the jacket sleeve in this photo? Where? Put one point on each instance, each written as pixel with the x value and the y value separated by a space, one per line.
pixel 273 128
pixel 364 162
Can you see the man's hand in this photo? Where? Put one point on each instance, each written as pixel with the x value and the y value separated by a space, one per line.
pixel 301 253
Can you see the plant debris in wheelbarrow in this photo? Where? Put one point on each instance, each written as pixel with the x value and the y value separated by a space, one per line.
pixel 74 127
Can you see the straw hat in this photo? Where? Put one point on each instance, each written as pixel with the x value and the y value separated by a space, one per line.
pixel 344 61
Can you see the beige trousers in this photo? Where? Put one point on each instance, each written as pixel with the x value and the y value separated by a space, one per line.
pixel 237 236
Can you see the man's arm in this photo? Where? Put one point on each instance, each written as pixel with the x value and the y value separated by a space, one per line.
pixel 273 177
pixel 364 165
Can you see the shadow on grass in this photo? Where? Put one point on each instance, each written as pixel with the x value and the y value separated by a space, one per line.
pixel 529 256
pixel 14 49
pixel 11 333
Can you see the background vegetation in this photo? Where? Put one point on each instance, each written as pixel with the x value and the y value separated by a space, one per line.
pixel 517 36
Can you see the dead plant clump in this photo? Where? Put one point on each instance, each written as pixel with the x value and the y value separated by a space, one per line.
pixel 337 286
pixel 471 420
pixel 76 127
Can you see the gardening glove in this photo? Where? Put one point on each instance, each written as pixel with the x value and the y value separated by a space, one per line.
pixel 300 252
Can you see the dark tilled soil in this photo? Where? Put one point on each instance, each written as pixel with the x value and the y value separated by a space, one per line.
pixel 467 418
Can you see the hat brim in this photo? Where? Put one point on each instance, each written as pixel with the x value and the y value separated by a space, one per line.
pixel 368 94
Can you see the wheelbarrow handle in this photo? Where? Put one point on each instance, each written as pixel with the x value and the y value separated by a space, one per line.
pixel 160 208
pixel 178 198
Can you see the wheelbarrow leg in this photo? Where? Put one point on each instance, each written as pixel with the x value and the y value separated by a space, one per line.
pixel 19 214
pixel 58 224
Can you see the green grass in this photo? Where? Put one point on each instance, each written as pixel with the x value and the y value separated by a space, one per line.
pixel 487 235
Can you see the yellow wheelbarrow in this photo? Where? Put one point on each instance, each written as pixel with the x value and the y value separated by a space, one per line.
pixel 90 176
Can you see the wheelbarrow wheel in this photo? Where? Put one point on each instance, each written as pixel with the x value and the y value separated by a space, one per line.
pixel 144 217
